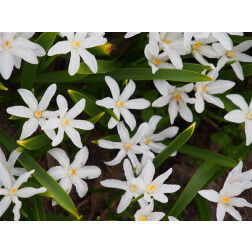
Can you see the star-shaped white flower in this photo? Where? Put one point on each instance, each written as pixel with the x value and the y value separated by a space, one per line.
pixel 74 173
pixel 177 99
pixel 155 59
pixel 226 199
pixel 10 164
pixel 205 91
pixel 133 187
pixel 13 48
pixel 147 214
pixel 244 114
pixel 36 112
pixel 153 140
pixel 156 188
pixel 121 104
pixel 234 54
pixel 77 43
pixel 128 146
pixel 11 191
pixel 67 122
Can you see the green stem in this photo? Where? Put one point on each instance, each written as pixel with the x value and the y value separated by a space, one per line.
pixel 129 215
pixel 137 198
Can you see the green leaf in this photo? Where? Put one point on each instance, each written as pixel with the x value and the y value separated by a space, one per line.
pixel 203 208
pixel 146 74
pixel 196 67
pixel 102 49
pixel 179 141
pixel 196 183
pixel 46 40
pixel 59 194
pixel 2 87
pixel 38 208
pixel 90 108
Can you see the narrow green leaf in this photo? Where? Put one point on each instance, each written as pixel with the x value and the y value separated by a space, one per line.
pixel 46 40
pixel 146 74
pixel 203 209
pixel 196 67
pixel 38 208
pixel 2 87
pixel 175 145
pixel 59 194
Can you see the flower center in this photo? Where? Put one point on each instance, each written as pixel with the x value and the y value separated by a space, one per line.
pixel 13 191
pixel 6 45
pixel 196 46
pixel 73 172
pixel 133 188
pixel 142 218
pixel 64 122
pixel 203 88
pixel 120 104
pixel 167 41
pixel 38 114
pixel 225 199
pixel 249 115
pixel 230 54
pixel 151 188
pixel 157 61
pixel 76 44
pixel 147 141
pixel 127 146
pixel 176 96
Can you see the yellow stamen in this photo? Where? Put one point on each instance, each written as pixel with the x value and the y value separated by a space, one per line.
pixel 76 44
pixel 151 188
pixel 176 96
pixel 196 46
pixel 167 41
pixel 157 61
pixel 225 199
pixel 128 146
pixel 38 114
pixel 13 190
pixel 249 115
pixel 73 172
pixel 7 43
pixel 120 104
pixel 203 88
pixel 147 141
pixel 230 54
pixel 133 187
pixel 142 218
pixel 65 122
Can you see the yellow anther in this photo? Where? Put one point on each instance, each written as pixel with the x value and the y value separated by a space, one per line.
pixel 73 172
pixel 230 54
pixel 225 199
pixel 196 46
pixel 249 115
pixel 167 41
pixel 76 44
pixel 142 218
pixel 128 146
pixel 203 88
pixel 151 188
pixel 147 141
pixel 120 104
pixel 38 114
pixel 157 61
pixel 7 43
pixel 13 190
pixel 176 96
pixel 133 187
pixel 64 122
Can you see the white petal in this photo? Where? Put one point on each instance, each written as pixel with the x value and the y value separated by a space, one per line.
pixel 74 135
pixel 81 124
pixel 89 172
pixel 212 99
pixel 57 172
pixel 61 156
pixel 140 133
pixel 173 110
pixel 114 183
pixel 13 157
pixel 239 202
pixel 155 216
pixel 109 144
pixel 20 111
pixel 167 133
pixel 148 172
pixel 128 171
pixel 106 102
pixel 244 46
pixel 238 70
pixel 128 117
pixel 162 87
pixel 22 179
pixel 224 39
pixel 124 203
pixel 6 64
pixel 29 99
pixel 161 101
pixel 128 91
pixel 113 86
pixel 29 128
pixel 62 47
pixel 137 104
pixel 239 101
pixel 184 111
pixel 161 178
pixel 74 64
pixel 112 122
pixel 5 177
pixel 160 197
pixel 210 195
pixel 4 204
pixel 81 186
pixel 175 59
pixel 62 104
pixel 233 212
pixel 89 59
pixel 220 212
pixel 119 157
pixel 16 209
pixel 168 188
pixel 66 184
pixel 49 93
pixel 219 86
pixel 153 122
pixel 199 103
pixel 248 131
pixel 16 171
pixel 28 192
pixel 51 123
pixel 243 57
pixel 123 132
pixel 236 116
pixel 76 109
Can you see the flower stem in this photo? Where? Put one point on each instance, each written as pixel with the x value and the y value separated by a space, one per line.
pixel 137 198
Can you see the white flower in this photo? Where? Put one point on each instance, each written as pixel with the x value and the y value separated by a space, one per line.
pixel 121 104
pixel 131 34
pixel 147 214
pixel 134 187
pixel 36 112
pixel 153 140
pixel 10 164
pixel 244 114
pixel 128 146
pixel 173 44
pixel 172 218
pixel 73 173
pixel 227 199
pixel 156 60
pixel 67 123
pixel 156 188
pixel 11 191
pixel 13 48
pixel 205 91
pixel 176 98
pixel 234 54
pixel 222 37
pixel 77 43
